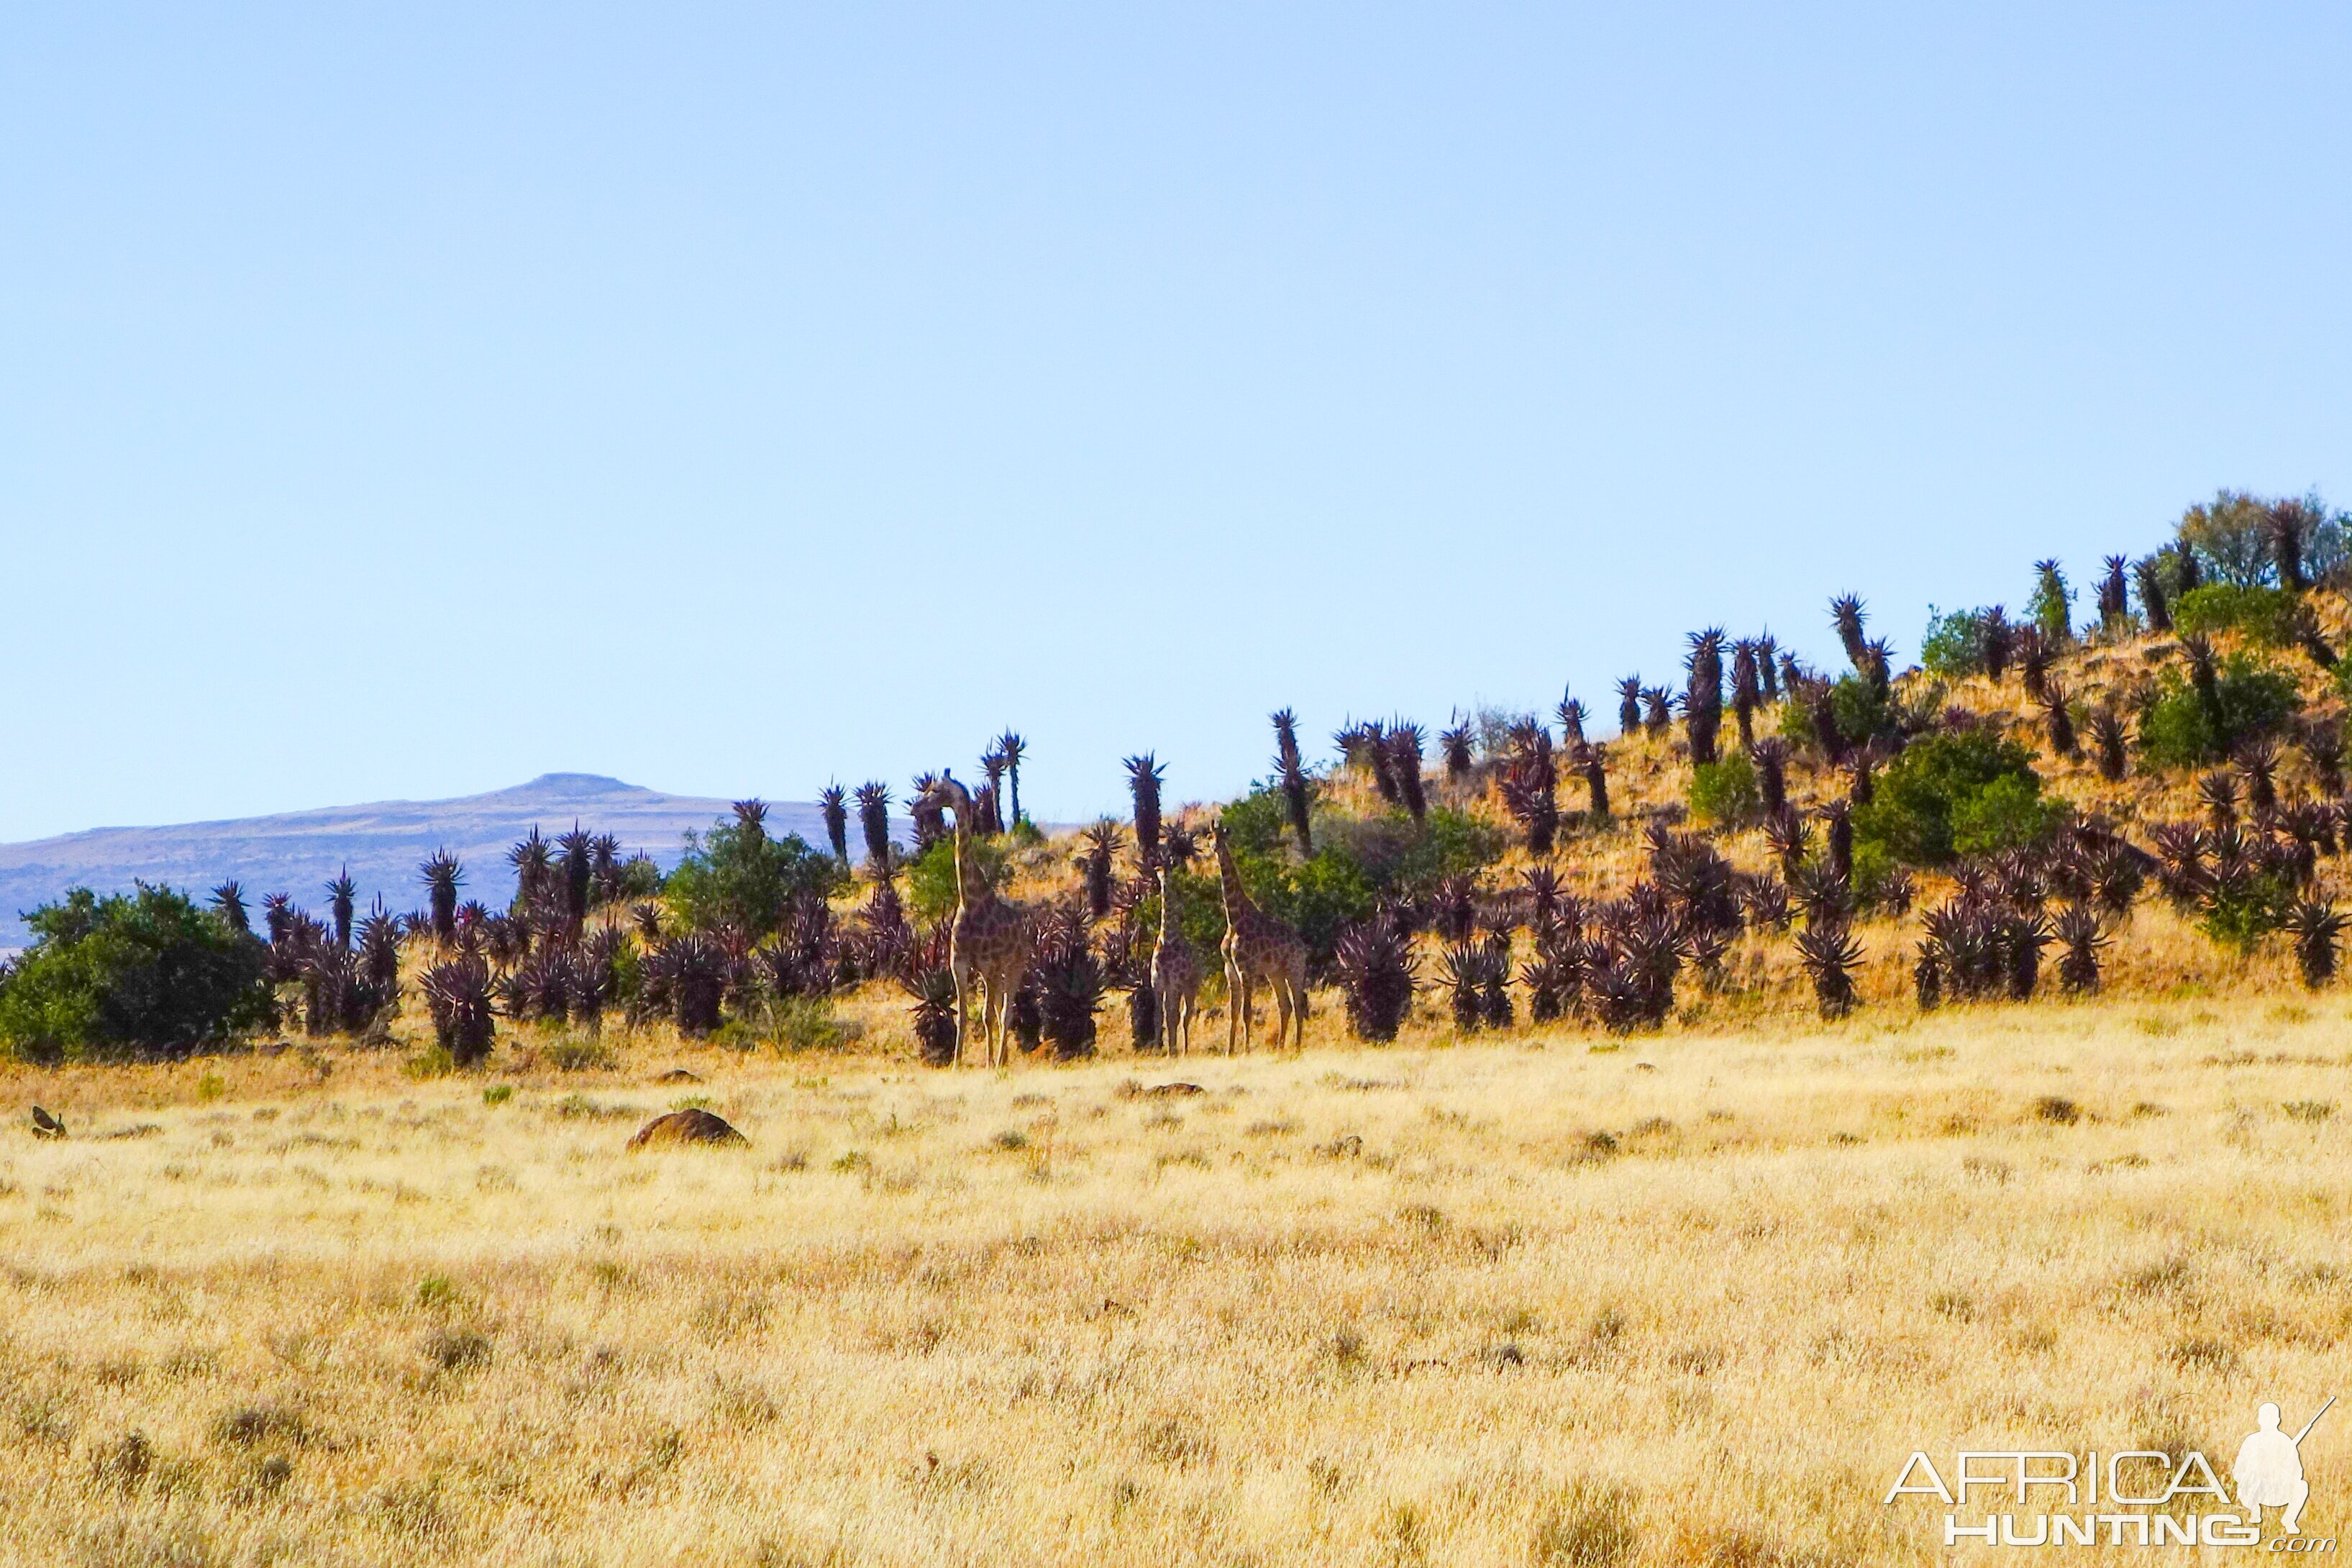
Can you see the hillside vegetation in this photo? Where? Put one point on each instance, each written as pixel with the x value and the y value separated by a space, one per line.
pixel 2149 797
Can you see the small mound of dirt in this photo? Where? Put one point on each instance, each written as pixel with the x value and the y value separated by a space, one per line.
pixel 679 1074
pixel 685 1127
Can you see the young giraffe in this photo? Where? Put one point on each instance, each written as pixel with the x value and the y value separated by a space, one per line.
pixel 1175 974
pixel 1258 947
pixel 991 939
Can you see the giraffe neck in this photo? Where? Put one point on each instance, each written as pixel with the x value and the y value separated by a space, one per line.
pixel 1237 901
pixel 1168 928
pixel 970 890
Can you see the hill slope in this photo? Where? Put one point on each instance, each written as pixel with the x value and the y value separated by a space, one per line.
pixel 381 843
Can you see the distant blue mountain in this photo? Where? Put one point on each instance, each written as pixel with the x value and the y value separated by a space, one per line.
pixel 381 844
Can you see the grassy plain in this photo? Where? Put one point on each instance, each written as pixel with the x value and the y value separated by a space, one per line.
pixel 1691 1298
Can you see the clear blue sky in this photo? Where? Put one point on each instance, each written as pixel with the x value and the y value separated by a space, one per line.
pixel 408 400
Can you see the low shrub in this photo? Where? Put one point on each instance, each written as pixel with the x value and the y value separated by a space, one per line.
pixel 579 1053
pixel 734 875
pixel 1724 793
pixel 2007 814
pixel 2239 913
pixel 1954 644
pixel 2263 615
pixel 808 1024
pixel 931 875
pixel 1862 713
pixel 1948 795
pixel 2178 729
pixel 1355 862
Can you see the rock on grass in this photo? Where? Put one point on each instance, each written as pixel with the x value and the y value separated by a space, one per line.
pixel 695 1126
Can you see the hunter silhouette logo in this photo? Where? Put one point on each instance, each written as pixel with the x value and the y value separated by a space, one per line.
pixel 2269 1471
pixel 2133 1497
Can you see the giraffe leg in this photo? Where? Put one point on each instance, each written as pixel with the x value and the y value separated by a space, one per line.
pixel 1233 1003
pixel 960 968
pixel 1004 1019
pixel 999 1050
pixel 987 1024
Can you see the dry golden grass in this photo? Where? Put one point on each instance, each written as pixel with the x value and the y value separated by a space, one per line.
pixel 1524 1300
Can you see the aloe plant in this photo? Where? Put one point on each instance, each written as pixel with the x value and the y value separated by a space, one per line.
pixel 874 823
pixel 1143 778
pixel 834 801
pixel 1012 748
pixel 1291 770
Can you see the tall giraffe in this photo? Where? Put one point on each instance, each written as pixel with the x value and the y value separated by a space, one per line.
pixel 1175 974
pixel 990 940
pixel 1258 947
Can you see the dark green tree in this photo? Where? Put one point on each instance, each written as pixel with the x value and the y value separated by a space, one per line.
pixel 139 973
pixel 739 875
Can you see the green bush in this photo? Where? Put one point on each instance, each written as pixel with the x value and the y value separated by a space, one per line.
pixel 1954 644
pixel 1874 873
pixel 2007 814
pixel 1356 861
pixel 1859 712
pixel 2240 915
pixel 146 973
pixel 1256 823
pixel 1940 786
pixel 2232 538
pixel 432 1062
pixel 2263 615
pixel 931 875
pixel 737 1035
pixel 2178 729
pixel 1316 898
pixel 2051 608
pixel 1201 911
pixel 638 878
pixel 568 1052
pixel 2230 535
pixel 1724 793
pixel 747 880
pixel 1395 852
pixel 805 1024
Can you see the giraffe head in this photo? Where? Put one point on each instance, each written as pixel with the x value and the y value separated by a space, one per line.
pixel 946 795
